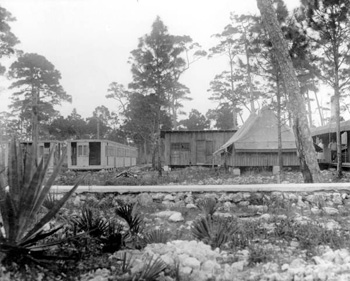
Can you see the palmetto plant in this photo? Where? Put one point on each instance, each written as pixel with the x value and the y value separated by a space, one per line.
pixel 22 194
pixel 102 230
pixel 156 236
pixel 213 232
pixel 208 206
pixel 96 226
pixel 128 212
pixel 133 237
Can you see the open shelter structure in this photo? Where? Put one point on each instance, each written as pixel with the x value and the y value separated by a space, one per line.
pixel 255 144
pixel 327 134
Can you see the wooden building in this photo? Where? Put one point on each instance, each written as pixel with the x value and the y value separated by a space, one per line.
pixel 324 135
pixel 90 154
pixel 190 148
pixel 255 144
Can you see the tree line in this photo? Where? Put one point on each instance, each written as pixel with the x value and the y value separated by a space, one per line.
pixel 316 39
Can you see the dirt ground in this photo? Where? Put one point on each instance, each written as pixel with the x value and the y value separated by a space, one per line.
pixel 145 175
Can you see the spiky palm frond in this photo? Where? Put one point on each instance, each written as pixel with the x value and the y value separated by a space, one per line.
pixel 156 236
pixel 126 260
pixel 129 214
pixel 22 199
pixel 50 200
pixel 201 229
pixel 208 206
pixel 87 222
pixel 152 269
pixel 213 233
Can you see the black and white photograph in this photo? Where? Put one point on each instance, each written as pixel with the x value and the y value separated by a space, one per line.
pixel 163 140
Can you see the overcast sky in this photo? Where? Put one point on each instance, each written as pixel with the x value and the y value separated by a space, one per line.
pixel 89 41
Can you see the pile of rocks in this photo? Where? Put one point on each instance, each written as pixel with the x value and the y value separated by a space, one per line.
pixel 330 203
pixel 196 261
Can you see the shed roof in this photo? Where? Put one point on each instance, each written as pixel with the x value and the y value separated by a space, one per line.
pixel 330 128
pixel 259 132
pixel 163 133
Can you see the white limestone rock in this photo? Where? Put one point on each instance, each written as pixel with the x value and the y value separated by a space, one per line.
pixel 236 197
pixel 164 214
pixel 176 217
pixel 330 211
pixel 337 199
pixel 191 262
pixel 169 197
pixel 144 199
pixel 191 206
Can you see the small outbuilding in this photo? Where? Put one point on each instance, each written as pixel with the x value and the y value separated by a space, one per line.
pixel 193 148
pixel 255 144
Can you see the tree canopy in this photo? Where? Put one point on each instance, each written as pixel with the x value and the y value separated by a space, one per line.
pixel 37 87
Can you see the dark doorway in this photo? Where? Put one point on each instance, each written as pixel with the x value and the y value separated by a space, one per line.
pixel 46 151
pixel 74 153
pixel 95 153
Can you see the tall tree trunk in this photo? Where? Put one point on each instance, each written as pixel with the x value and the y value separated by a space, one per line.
pixel 279 129
pixel 159 145
pixel 35 122
pixel 306 150
pixel 337 120
pixel 249 72
pixel 337 108
pixel 173 112
pixel 309 107
pixel 98 128
pixel 145 154
pixel 320 112
pixel 234 109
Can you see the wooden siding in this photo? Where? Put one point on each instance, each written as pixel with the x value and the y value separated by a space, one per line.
pixel 262 159
pixel 185 148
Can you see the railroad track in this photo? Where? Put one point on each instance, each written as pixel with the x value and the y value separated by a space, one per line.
pixel 291 187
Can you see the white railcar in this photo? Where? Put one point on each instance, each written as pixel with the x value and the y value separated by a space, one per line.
pixel 93 154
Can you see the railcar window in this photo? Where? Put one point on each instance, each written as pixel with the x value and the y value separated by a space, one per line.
pixel 83 150
pixel 110 151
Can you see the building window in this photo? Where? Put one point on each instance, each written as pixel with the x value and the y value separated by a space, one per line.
pixel 180 146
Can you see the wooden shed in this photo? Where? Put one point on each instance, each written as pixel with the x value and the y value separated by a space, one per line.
pixel 95 154
pixel 256 143
pixel 190 148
